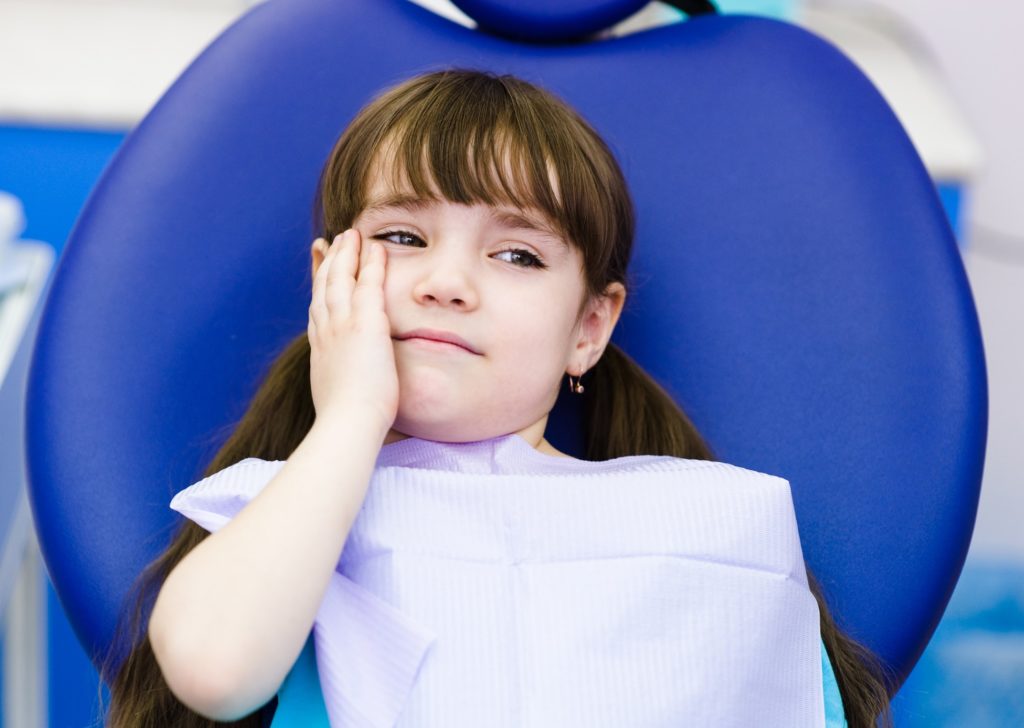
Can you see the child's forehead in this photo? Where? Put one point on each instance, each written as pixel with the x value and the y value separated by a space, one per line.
pixel 509 216
pixel 382 193
pixel 412 202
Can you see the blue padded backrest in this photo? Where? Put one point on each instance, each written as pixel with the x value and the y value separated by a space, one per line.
pixel 795 286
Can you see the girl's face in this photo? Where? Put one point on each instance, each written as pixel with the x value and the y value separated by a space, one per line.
pixel 505 284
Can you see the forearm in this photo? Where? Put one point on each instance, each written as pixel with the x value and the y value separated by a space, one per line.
pixel 234 614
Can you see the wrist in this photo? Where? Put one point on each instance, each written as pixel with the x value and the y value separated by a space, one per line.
pixel 353 421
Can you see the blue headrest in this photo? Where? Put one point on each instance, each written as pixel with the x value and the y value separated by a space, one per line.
pixel 795 286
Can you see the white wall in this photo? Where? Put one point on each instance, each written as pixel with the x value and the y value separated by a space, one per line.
pixel 978 47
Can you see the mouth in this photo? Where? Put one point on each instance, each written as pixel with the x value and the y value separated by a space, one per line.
pixel 434 344
pixel 437 340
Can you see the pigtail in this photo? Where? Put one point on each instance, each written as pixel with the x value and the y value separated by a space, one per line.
pixel 629 413
pixel 278 418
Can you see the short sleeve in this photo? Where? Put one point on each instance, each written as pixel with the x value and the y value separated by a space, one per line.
pixel 300 701
pixel 357 668
pixel 835 716
pixel 368 655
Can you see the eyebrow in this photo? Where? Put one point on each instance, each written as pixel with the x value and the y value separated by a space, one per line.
pixel 506 217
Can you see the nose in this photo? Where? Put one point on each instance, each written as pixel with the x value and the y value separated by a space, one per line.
pixel 446 280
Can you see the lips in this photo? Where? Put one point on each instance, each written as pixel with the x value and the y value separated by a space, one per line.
pixel 438 335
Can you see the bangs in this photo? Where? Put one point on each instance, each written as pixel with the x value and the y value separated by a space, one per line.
pixel 470 154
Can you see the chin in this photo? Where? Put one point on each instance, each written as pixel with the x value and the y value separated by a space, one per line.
pixel 431 406
pixel 427 387
pixel 438 431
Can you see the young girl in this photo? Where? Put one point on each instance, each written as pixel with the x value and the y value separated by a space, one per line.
pixel 475 237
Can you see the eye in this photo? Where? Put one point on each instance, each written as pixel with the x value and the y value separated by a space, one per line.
pixel 530 260
pixel 396 233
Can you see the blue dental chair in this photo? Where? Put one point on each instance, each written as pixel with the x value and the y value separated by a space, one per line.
pixel 795 283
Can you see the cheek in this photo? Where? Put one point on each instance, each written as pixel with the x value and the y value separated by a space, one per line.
pixel 392 289
pixel 530 341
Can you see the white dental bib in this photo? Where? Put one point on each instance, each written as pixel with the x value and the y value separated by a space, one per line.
pixel 489 584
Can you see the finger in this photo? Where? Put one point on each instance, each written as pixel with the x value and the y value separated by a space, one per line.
pixel 339 283
pixel 317 304
pixel 369 290
pixel 350 247
pixel 364 253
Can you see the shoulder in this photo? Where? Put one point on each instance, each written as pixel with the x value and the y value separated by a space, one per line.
pixel 835 716
pixel 719 471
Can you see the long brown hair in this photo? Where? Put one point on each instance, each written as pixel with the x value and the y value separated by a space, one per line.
pixel 448 134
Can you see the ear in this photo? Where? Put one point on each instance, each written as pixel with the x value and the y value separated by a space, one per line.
pixel 596 328
pixel 318 251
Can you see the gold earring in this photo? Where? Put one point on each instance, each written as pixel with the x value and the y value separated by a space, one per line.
pixel 577 387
